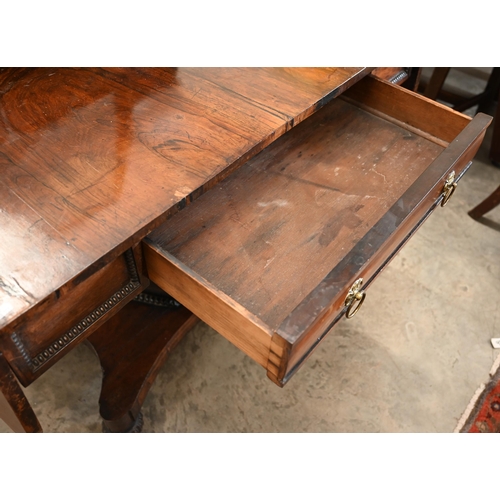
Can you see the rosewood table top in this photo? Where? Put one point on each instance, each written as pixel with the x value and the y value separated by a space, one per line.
pixel 91 160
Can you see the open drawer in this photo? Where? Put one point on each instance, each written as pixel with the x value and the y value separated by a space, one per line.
pixel 270 255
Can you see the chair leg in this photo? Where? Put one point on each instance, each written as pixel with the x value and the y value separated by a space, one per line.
pixel 495 137
pixel 491 92
pixel 436 82
pixel 486 205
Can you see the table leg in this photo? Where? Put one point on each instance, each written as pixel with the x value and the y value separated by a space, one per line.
pixel 15 409
pixel 132 347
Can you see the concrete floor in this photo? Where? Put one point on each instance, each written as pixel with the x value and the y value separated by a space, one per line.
pixel 410 361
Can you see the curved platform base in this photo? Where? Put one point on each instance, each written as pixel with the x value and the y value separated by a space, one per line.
pixel 132 347
pixel 137 426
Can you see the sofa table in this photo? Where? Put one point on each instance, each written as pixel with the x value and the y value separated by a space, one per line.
pixel 263 201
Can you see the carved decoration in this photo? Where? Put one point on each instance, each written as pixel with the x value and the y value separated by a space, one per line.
pixel 157 300
pixel 18 343
pixel 86 323
pixel 401 75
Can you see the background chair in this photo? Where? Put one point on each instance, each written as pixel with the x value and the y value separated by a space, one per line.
pixel 487 102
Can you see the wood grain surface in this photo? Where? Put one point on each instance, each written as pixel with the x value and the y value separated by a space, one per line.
pixel 245 330
pixel 92 160
pixel 283 238
pixel 33 342
pixel 416 112
pixel 268 234
pixel 15 409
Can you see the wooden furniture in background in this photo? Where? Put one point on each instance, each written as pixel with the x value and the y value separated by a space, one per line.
pixel 484 100
pixel 492 201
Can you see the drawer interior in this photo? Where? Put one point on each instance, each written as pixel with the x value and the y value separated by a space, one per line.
pixel 268 234
pixel 264 239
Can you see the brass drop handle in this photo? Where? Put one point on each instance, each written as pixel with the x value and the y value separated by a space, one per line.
pixel 449 188
pixel 354 299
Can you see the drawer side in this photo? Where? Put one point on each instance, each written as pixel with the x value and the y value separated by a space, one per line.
pixel 212 306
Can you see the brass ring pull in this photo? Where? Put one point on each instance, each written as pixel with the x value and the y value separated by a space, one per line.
pixel 449 188
pixel 354 299
pixel 355 305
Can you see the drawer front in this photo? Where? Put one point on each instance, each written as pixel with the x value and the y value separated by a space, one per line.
pixel 314 317
pixel 39 338
pixel 366 261
pixel 267 258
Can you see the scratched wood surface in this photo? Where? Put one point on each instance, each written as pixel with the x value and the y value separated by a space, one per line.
pixel 268 256
pixel 92 160
pixel 268 234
